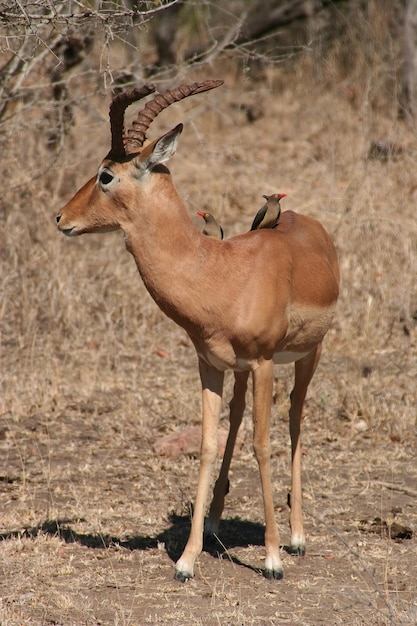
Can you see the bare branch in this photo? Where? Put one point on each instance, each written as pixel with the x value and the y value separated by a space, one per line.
pixel 16 14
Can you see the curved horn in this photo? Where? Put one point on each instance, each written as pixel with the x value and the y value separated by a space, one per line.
pixel 135 136
pixel 117 110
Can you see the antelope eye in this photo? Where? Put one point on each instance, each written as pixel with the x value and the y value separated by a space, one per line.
pixel 105 177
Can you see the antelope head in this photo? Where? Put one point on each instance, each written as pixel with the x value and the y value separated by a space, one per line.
pixel 104 202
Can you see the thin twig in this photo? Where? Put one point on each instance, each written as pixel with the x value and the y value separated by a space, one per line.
pixel 396 487
pixel 11 15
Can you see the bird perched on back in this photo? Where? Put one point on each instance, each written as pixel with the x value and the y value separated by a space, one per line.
pixel 268 215
pixel 211 227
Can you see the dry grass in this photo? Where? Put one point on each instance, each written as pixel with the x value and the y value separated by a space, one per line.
pixel 88 536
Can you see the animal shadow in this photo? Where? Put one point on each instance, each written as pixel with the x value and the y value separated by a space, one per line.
pixel 233 533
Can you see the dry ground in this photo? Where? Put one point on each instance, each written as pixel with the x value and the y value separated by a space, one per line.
pixel 92 520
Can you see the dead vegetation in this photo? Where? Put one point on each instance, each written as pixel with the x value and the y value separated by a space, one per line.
pixel 92 374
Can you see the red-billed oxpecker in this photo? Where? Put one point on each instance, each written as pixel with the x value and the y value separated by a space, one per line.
pixel 211 226
pixel 268 215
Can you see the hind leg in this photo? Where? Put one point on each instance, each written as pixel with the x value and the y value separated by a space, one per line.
pixel 304 370
pixel 262 401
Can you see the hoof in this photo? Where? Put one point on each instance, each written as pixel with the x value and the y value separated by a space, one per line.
pixel 182 577
pixel 296 550
pixel 273 574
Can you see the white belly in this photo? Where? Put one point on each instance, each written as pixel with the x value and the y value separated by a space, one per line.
pixel 279 358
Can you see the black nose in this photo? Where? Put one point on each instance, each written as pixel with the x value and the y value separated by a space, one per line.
pixel 58 217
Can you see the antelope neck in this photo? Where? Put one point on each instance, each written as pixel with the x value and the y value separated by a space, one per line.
pixel 170 254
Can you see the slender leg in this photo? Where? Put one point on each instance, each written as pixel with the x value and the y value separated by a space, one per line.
pixel 262 401
pixel 221 488
pixel 304 370
pixel 212 383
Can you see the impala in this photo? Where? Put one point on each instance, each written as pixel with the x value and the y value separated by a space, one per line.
pixel 260 298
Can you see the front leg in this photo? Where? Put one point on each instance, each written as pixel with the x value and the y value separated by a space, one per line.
pixel 212 384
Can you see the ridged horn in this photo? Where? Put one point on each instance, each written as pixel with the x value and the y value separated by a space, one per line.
pixel 135 136
pixel 117 112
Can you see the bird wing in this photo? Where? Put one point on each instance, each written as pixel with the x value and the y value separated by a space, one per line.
pixel 258 218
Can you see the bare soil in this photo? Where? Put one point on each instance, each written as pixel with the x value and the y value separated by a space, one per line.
pixel 93 375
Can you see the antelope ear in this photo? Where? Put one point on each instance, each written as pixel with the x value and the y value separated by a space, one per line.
pixel 160 150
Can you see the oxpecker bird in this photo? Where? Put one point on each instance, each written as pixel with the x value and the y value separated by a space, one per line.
pixel 268 216
pixel 211 227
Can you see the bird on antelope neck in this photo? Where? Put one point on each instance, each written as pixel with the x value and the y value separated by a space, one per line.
pixel 211 227
pixel 268 215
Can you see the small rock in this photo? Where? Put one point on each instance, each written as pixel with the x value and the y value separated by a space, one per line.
pixel 188 441
pixel 360 426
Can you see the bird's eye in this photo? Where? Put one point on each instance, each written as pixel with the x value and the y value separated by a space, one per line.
pixel 105 177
